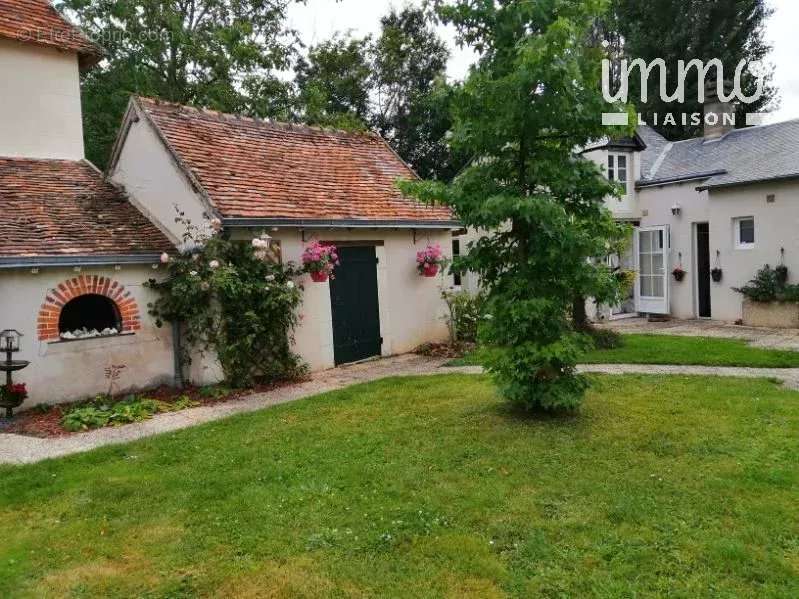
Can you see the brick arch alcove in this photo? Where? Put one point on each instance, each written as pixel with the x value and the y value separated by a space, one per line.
pixel 59 296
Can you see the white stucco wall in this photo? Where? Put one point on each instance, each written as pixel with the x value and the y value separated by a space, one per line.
pixel 66 371
pixel 154 183
pixel 625 207
pixel 40 110
pixel 655 204
pixel 776 226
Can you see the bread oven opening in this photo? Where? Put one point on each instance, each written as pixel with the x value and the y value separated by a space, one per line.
pixel 89 316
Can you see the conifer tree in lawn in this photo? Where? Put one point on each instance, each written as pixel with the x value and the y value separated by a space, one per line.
pixel 533 99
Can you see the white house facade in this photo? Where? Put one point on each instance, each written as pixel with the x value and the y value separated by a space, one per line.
pixel 720 207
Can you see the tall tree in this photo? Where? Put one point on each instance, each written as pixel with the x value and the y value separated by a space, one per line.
pixel 217 53
pixel 534 96
pixel 730 30
pixel 411 95
pixel 334 83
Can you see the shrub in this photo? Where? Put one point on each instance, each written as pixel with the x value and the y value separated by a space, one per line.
pixel 605 338
pixel 100 412
pixel 235 300
pixel 465 312
pixel 770 285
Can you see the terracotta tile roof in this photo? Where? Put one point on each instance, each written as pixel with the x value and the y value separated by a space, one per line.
pixel 37 22
pixel 257 169
pixel 63 207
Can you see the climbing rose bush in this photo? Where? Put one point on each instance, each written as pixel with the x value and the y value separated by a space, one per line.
pixel 319 258
pixel 229 298
pixel 428 257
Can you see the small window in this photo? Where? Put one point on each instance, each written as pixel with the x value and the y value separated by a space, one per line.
pixel 745 232
pixel 456 251
pixel 617 168
pixel 89 315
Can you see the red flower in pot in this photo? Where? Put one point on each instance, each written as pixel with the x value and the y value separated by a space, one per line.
pixel 429 260
pixel 320 261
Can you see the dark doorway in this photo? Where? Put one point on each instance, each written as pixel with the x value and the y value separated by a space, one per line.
pixel 353 297
pixel 703 269
pixel 89 312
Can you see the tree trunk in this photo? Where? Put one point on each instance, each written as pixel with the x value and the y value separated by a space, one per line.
pixel 579 316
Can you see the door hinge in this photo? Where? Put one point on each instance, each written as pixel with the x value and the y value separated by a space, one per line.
pixel 381 341
pixel 377 260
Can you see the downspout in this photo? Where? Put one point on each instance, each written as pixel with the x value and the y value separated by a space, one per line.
pixel 177 351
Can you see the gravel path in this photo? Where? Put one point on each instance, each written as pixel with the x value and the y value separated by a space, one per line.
pixel 20 449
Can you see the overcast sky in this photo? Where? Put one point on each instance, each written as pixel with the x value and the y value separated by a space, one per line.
pixel 317 20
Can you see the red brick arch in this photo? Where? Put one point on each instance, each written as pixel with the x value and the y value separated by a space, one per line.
pixel 59 296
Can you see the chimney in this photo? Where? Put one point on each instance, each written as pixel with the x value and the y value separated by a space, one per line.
pixel 719 117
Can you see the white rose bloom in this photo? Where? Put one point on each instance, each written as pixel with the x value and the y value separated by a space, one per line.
pixel 270 277
pixel 164 258
pixel 193 273
pixel 290 284
pixel 214 264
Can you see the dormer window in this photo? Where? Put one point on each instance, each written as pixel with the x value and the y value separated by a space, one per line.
pixel 617 169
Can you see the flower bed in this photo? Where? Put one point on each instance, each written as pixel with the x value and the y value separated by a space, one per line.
pixel 54 421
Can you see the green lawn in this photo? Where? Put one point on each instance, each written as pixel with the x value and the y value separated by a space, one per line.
pixel 674 349
pixel 428 487
pixel 703 351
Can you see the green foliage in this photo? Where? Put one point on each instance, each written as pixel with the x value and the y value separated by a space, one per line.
pixel 412 97
pixel 465 311
pixel 103 412
pixel 395 83
pixel 605 338
pixel 730 30
pixel 533 98
pixel 770 285
pixel 231 299
pixel 333 83
pixel 215 53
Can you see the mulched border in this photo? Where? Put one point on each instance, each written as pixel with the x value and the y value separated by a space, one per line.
pixel 45 422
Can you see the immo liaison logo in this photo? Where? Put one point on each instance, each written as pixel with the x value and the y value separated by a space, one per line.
pixel 622 70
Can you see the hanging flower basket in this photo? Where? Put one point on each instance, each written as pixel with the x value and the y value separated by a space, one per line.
pixel 678 274
pixel 320 261
pixel 715 274
pixel 429 260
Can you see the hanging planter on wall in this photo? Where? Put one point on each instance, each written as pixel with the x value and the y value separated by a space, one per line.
pixel 781 270
pixel 678 273
pixel 716 272
pixel 320 261
pixel 429 260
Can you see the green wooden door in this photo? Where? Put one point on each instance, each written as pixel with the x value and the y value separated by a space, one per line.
pixel 353 297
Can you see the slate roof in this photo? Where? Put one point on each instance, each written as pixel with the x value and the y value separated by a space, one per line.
pixel 37 22
pixel 765 153
pixel 66 208
pixel 254 169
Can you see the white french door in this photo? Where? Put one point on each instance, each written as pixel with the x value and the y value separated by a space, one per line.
pixel 651 264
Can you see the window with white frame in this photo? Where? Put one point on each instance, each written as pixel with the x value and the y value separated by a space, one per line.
pixel 744 230
pixel 617 168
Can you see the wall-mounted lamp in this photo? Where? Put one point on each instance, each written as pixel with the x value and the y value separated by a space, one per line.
pixel 676 210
